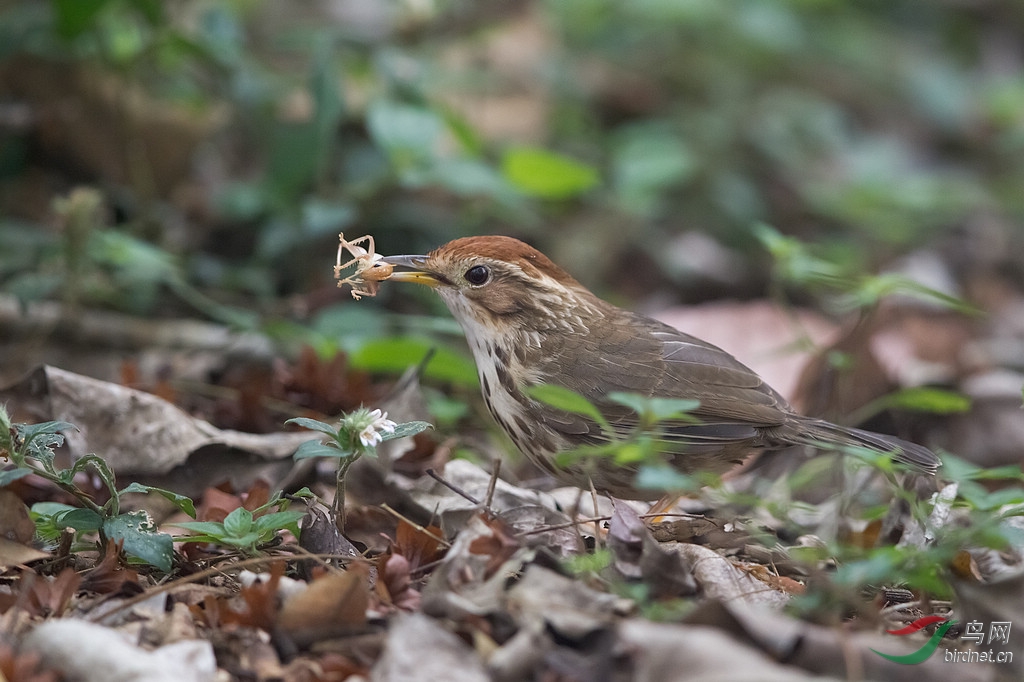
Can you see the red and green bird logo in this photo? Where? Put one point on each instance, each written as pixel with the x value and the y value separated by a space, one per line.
pixel 928 648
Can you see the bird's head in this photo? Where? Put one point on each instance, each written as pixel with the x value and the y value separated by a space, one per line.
pixel 501 285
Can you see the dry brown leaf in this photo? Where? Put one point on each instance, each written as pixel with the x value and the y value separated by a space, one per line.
pixel 23 667
pixel 843 376
pixel 722 580
pixel 15 554
pixel 150 435
pixel 866 538
pixel 218 501
pixel 333 604
pixel 500 545
pixel 396 579
pixel 329 667
pixel 217 504
pixel 255 605
pixel 15 522
pixel 110 577
pixel 773 580
pixel 419 546
pixel 40 595
pixel 421 648
pixel 638 556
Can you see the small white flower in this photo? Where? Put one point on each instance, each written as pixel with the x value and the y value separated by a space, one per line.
pixel 370 436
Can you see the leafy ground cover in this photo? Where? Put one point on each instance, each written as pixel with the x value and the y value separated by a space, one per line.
pixel 828 190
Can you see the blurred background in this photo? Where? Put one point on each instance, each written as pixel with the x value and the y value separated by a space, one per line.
pixel 174 176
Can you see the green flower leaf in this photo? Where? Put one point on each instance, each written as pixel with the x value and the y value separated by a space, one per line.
pixel 239 522
pixel 924 399
pixel 540 173
pixel 656 409
pixel 9 476
pixel 268 524
pixel 207 530
pixel 314 448
pixel 81 520
pixel 406 429
pixel 566 400
pixel 314 425
pixel 137 532
pixel 182 502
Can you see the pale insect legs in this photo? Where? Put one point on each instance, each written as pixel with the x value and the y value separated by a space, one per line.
pixel 370 272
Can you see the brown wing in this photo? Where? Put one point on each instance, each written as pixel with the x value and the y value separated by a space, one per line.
pixel 653 359
pixel 738 411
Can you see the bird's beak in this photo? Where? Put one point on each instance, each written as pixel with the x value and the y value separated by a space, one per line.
pixel 417 275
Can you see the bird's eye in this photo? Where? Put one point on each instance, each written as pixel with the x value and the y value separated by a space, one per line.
pixel 478 275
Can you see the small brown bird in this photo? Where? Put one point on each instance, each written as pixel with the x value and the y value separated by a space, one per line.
pixel 528 322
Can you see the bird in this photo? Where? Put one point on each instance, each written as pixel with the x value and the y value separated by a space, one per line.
pixel 528 322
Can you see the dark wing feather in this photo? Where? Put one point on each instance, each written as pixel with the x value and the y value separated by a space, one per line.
pixel 738 410
pixel 653 359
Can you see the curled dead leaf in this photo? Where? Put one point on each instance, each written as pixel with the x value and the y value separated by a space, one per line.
pixel 332 605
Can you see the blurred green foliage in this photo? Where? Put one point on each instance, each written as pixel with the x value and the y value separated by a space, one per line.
pixel 602 131
pixel 225 143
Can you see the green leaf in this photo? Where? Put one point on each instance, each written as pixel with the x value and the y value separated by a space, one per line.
pixel 241 201
pixel 540 173
pixel 209 530
pixel 314 425
pixel 74 17
pixel 469 177
pixel 271 523
pixel 630 453
pixel 274 501
pixel 295 154
pixel 182 502
pixel 239 522
pixel 664 477
pixel 9 476
pixel 397 355
pixel 655 409
pixel 570 457
pixel 99 465
pixel 593 562
pixel 304 493
pixel 984 499
pixel 445 410
pixel 314 448
pixel 408 132
pixel 6 428
pixel 568 401
pixel 152 10
pixel 923 399
pixel 140 538
pixel 135 261
pixel 39 440
pixel 321 217
pixel 793 261
pixel 873 288
pixel 324 84
pixel 406 429
pixel 247 542
pixel 649 160
pixel 82 520
pixel 43 514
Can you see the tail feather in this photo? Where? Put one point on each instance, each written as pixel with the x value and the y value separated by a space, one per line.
pixel 823 434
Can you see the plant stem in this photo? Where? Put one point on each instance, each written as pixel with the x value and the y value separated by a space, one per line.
pixel 339 494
